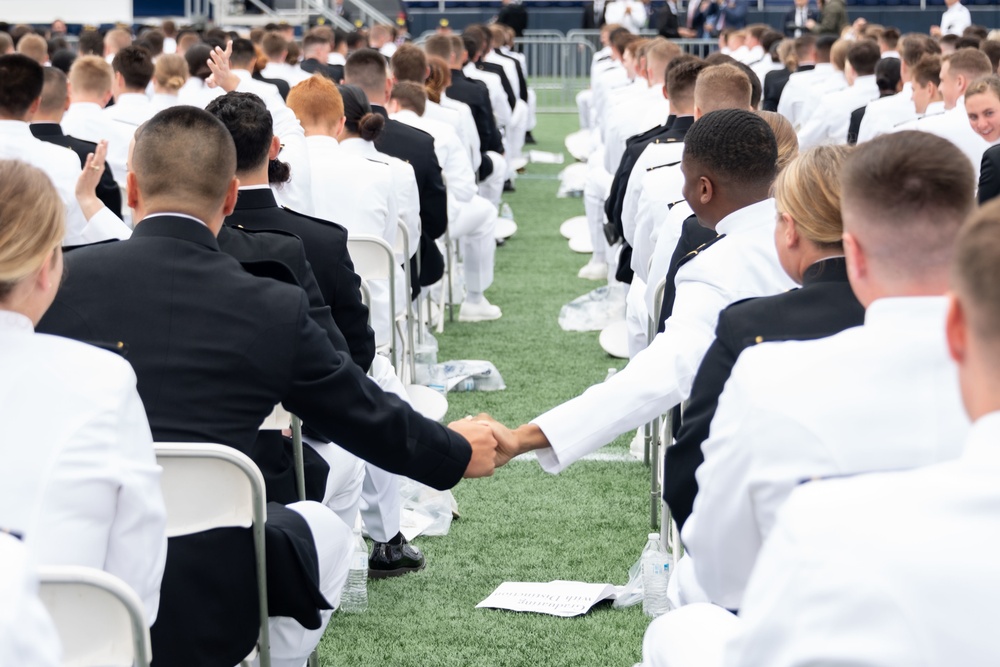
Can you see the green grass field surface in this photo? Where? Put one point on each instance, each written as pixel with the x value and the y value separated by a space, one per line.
pixel 588 523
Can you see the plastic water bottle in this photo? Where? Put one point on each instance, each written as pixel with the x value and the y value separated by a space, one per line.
pixel 505 211
pixel 355 596
pixel 655 575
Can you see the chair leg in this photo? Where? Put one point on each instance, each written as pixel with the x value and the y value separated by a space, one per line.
pixel 314 659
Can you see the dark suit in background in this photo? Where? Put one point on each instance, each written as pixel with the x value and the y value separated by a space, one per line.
pixel 825 305
pixel 325 246
pixel 475 94
pixel 989 175
pixel 775 82
pixel 333 72
pixel 789 22
pixel 107 189
pixel 417 147
pixel 215 349
pixel 666 21
pixel 514 16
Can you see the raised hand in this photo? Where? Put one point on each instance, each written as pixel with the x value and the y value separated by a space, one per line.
pixel 222 76
pixel 86 184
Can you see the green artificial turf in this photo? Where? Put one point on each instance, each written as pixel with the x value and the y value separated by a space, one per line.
pixel 588 523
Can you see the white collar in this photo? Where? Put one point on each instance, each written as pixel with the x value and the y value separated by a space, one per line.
pixel 15 128
pixel 263 186
pixel 358 145
pixel 11 321
pixel 404 114
pixel 748 218
pixel 85 107
pixel 983 437
pixel 131 99
pixel 912 313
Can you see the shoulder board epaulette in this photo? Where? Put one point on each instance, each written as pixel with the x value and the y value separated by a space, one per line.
pixel 117 347
pixel 279 232
pixel 661 166
pixel 675 203
pixel 697 251
pixel 846 475
pixel 377 161
pixel 310 217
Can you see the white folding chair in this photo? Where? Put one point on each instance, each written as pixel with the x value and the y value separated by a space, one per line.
pixel 99 618
pixel 374 259
pixel 402 249
pixel 209 486
pixel 651 430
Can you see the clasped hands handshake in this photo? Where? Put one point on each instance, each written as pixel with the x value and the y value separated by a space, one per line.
pixel 493 444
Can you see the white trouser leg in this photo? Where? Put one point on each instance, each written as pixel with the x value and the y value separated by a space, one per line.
pixel 515 134
pixel 595 191
pixel 380 500
pixel 694 636
pixel 636 317
pixel 491 187
pixel 583 101
pixel 291 643
pixel 343 482
pixel 474 228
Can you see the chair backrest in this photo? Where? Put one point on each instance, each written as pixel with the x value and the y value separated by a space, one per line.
pixel 654 315
pixel 100 620
pixel 209 486
pixel 373 258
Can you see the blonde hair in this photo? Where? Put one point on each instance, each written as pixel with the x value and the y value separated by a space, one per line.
pixel 986 84
pixel 35 47
pixel 784 134
pixel 91 74
pixel 808 190
pixel 32 222
pixel 171 72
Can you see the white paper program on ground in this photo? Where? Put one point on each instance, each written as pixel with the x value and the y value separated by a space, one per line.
pixel 555 598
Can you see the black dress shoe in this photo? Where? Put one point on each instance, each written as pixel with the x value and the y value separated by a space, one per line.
pixel 528 139
pixel 508 186
pixel 394 558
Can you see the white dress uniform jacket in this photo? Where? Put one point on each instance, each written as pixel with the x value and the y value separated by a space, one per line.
pixel 741 265
pixel 883 396
pixel 955 20
pixel 844 578
pixel 291 74
pixel 79 480
pixel 629 117
pixel 629 14
pixel 498 98
pixel 799 88
pixel 131 110
pixel 829 123
pixel 661 191
pixel 654 156
pixel 886 113
pixel 27 636
pixel 466 126
pixel 62 166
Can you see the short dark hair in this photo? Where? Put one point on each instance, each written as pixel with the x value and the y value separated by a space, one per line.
pixel 803 45
pixel 967 43
pixel 863 56
pixel 410 95
pixel 63 59
pixel 197 59
pixel 927 70
pixel 736 146
pixel 174 139
pixel 250 125
pixel 244 52
pixel 54 91
pixel 438 45
pixel 358 113
pixel 682 73
pixel 135 66
pixel 890 37
pixel 91 43
pixel 914 46
pixel 991 48
pixel 913 204
pixel 409 63
pixel 976 31
pixel 824 46
pixel 366 68
pixel 21 81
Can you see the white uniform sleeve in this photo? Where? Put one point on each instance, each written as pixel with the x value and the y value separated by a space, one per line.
pixel 137 550
pixel 654 381
pixel 806 607
pixel 754 458
pixel 105 225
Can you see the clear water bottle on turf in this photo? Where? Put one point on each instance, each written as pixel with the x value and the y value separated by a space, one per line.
pixel 655 575
pixel 355 596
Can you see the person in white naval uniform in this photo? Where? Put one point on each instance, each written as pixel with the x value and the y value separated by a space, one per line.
pixel 275 48
pixel 800 84
pixel 87 489
pixel 21 83
pixel 133 69
pixel 630 14
pixel 900 222
pixel 829 123
pixel 729 165
pixel 348 188
pixel 885 113
pixel 958 71
pixel 91 81
pixel 27 635
pixel 955 20
pixel 843 578
pixel 471 219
